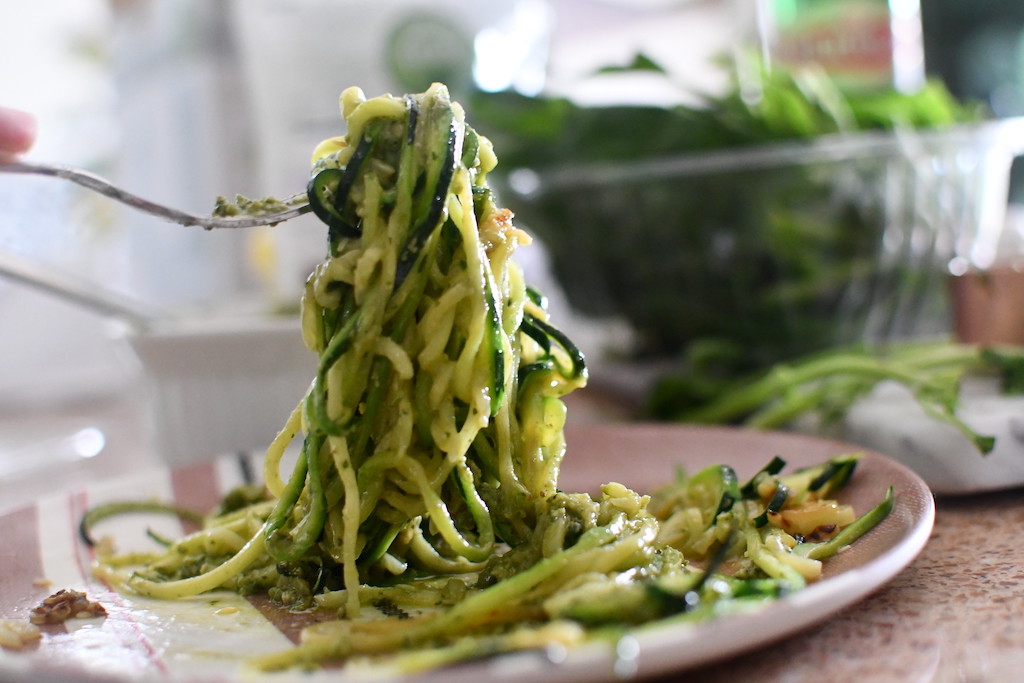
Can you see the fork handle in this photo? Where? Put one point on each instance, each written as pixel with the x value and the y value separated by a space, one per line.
pixel 96 183
pixel 103 186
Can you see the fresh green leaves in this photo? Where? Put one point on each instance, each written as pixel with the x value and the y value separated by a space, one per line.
pixel 1009 364
pixel 827 384
pixel 536 132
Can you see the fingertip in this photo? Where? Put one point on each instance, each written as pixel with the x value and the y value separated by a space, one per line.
pixel 17 130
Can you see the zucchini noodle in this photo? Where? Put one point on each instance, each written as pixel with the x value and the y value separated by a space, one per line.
pixel 429 443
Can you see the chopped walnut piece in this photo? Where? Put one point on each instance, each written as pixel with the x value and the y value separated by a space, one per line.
pixel 63 605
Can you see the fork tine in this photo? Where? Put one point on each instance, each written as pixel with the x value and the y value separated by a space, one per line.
pixel 105 187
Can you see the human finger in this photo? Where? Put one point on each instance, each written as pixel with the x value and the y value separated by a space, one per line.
pixel 17 131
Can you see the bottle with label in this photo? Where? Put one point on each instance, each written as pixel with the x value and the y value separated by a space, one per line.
pixel 862 44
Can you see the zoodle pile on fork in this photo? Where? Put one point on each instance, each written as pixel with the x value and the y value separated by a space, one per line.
pixel 430 440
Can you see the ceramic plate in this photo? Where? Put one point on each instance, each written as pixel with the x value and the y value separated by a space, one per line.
pixel 210 637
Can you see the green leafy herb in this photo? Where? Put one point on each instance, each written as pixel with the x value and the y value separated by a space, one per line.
pixel 828 384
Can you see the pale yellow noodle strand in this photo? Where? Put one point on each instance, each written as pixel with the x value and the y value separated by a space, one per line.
pixel 372 227
pixel 408 505
pixel 442 427
pixel 431 560
pixel 458 445
pixel 334 532
pixel 396 355
pixel 436 324
pixel 473 315
pixel 547 418
pixel 507 435
pixel 311 320
pixel 332 271
pixel 275 452
pixel 350 512
pixel 442 372
pixel 441 518
pixel 215 578
pixel 215 542
pixel 374 470
pixel 391 449
pixel 358 110
pixel 368 271
pixel 245 520
pixel 621 553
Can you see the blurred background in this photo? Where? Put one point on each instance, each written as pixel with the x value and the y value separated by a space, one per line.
pixel 184 100
pixel 181 101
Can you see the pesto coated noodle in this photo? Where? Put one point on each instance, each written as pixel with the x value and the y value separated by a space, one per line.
pixel 430 440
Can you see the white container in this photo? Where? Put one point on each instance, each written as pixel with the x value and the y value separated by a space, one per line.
pixel 891 421
pixel 222 385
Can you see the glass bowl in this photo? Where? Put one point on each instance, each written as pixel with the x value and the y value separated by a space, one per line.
pixel 778 250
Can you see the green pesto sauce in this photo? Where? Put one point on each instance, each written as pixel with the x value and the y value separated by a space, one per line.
pixel 244 206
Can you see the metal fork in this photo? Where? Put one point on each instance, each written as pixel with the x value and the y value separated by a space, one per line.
pixel 298 204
